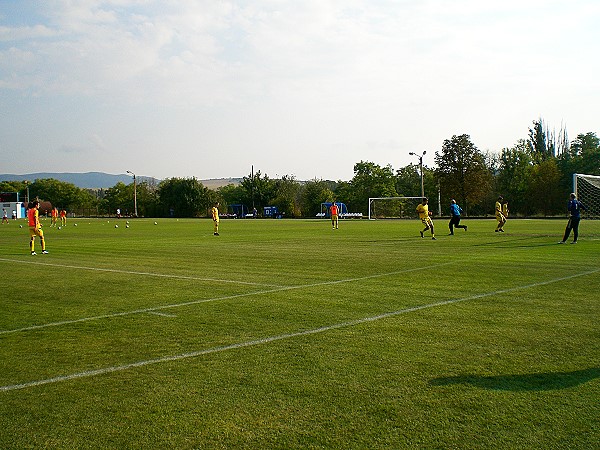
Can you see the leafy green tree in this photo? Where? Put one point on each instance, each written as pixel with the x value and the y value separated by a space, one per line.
pixel 585 150
pixel 117 197
pixel 184 197
pixel 370 180
pixel 12 186
pixel 59 193
pixel 312 194
pixel 462 172
pixel 231 194
pixel 583 157
pixel 515 168
pixel 287 196
pixel 541 145
pixel 259 191
pixel 408 181
pixel 544 192
pixel 147 199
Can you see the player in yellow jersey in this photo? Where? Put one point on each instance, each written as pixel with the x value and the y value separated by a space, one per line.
pixel 500 217
pixel 215 218
pixel 35 228
pixel 425 216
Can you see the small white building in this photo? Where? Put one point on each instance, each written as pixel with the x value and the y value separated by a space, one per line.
pixel 17 208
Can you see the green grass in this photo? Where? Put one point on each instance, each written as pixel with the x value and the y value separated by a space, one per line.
pixel 287 334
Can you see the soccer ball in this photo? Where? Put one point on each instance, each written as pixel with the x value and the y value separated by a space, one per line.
pixel 155 223
pixel 126 226
pixel 75 225
pixel 20 226
pixel 59 228
pixel 116 226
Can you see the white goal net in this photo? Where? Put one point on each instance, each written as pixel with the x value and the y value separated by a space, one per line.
pixel 587 190
pixel 393 207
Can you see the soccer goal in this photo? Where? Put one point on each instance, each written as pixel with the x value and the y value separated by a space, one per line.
pixel 393 207
pixel 587 190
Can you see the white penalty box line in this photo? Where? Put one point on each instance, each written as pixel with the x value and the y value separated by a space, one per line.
pixel 266 340
pixel 156 309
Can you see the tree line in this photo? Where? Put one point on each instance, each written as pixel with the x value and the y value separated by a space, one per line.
pixel 535 175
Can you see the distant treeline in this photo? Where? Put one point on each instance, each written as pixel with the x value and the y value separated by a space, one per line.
pixel 535 176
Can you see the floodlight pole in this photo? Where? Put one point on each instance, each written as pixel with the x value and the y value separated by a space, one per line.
pixel 134 193
pixel 421 169
pixel 27 185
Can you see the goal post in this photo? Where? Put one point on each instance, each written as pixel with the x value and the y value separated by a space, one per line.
pixel 587 190
pixel 393 207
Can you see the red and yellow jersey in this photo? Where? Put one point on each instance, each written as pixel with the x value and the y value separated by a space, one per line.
pixel 423 211
pixel 55 212
pixel 33 218
pixel 63 213
pixel 334 210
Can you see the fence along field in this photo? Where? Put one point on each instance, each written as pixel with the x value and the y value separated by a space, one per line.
pixel 287 334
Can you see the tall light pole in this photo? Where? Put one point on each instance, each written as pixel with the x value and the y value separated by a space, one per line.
pixel 134 193
pixel 421 168
pixel 27 185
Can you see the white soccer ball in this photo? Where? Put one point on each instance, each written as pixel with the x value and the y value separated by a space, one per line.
pixel 155 223
pixel 59 228
pixel 20 226
pixel 116 226
pixel 126 226
pixel 74 225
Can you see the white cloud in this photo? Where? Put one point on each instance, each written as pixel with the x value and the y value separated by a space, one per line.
pixel 278 80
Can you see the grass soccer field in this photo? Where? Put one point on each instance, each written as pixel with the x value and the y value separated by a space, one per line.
pixel 286 334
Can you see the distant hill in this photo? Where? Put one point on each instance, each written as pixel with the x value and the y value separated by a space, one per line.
pixel 100 180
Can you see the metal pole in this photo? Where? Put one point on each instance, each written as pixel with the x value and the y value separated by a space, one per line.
pixel 135 212
pixel 421 169
pixel 135 196
pixel 422 183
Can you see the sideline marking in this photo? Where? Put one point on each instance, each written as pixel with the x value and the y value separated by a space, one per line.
pixel 207 300
pixel 105 370
pixel 156 313
pixel 128 272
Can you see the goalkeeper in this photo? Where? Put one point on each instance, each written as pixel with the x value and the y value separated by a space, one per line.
pixel 574 207
pixel 425 216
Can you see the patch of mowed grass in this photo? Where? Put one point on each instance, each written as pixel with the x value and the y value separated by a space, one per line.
pixel 310 336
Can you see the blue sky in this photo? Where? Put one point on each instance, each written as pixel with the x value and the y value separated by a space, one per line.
pixel 176 88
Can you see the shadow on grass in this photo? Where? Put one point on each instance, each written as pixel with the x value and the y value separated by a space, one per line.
pixel 525 382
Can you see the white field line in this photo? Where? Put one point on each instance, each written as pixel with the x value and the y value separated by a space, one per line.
pixel 148 274
pixel 214 299
pixel 156 313
pixel 266 340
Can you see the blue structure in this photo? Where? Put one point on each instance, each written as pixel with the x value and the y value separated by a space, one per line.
pixel 271 212
pixel 239 210
pixel 342 209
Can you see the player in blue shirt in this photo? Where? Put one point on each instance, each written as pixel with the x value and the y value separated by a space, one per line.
pixel 455 212
pixel 574 207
